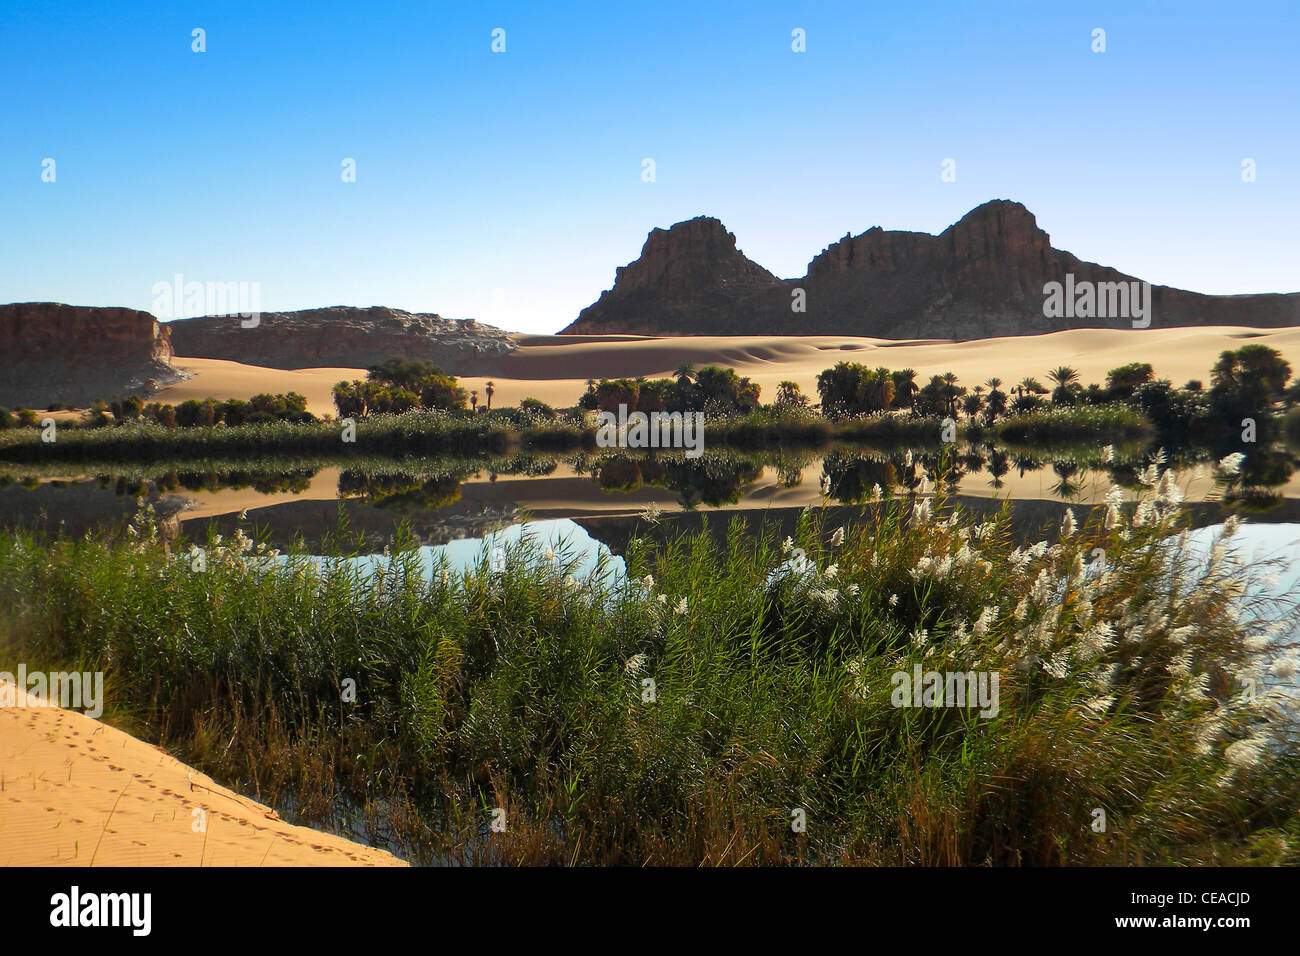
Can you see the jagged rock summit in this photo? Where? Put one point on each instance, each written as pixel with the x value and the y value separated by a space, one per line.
pixel 983 276
pixel 690 272
pixel 694 254
pixel 343 336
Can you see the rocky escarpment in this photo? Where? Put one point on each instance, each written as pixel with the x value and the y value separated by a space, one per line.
pixel 983 276
pixel 343 336
pixel 690 271
pixel 50 352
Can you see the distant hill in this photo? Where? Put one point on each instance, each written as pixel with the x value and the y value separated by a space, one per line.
pixel 343 336
pixel 983 276
pixel 75 354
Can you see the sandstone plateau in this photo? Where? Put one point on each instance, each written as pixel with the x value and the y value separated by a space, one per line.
pixel 981 277
pixel 343 336
pixel 75 354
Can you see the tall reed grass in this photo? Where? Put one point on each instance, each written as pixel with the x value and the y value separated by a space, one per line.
pixel 411 433
pixel 1112 424
pixel 1125 664
pixel 425 432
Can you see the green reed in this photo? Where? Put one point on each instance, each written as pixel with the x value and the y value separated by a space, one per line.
pixel 771 667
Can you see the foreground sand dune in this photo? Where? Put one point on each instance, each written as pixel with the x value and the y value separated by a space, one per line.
pixel 554 368
pixel 76 792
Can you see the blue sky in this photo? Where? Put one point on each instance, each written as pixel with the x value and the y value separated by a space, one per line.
pixel 508 186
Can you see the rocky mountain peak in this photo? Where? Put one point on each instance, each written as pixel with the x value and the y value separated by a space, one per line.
pixel 697 253
pixel 982 276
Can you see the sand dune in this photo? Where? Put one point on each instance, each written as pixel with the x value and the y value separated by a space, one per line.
pixel 217 378
pixel 554 368
pixel 76 792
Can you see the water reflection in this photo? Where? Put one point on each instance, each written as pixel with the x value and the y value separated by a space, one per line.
pixel 470 492
pixel 401 492
pixel 713 481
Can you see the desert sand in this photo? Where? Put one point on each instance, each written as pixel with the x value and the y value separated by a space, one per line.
pixel 217 378
pixel 554 368
pixel 77 792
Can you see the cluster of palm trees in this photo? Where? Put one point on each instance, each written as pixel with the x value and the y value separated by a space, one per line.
pixel 942 395
pixel 690 389
pixel 398 385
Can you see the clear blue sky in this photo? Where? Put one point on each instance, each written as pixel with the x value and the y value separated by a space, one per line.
pixel 508 187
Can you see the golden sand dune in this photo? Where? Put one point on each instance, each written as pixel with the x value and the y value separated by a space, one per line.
pixel 554 368
pixel 76 792
pixel 218 378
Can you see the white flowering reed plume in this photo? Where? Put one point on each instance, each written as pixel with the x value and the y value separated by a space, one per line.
pixel 1230 465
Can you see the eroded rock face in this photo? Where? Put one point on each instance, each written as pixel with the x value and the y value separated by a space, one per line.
pixel 695 254
pixel 983 276
pixel 996 237
pixel 75 354
pixel 690 271
pixel 343 336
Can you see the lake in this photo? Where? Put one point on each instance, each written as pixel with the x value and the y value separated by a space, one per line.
pixel 442 501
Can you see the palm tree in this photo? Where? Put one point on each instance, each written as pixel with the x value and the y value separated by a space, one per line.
pixel 684 374
pixel 1063 376
pixel 489 388
pixel 788 393
pixel 905 388
pixel 996 403
pixel 951 392
pixel 473 400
